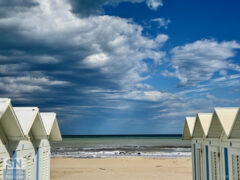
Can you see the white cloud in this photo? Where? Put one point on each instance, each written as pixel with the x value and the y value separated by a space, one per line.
pixel 198 61
pixel 96 60
pixel 146 95
pixel 28 83
pixel 143 86
pixel 161 38
pixel 154 4
pixel 162 22
pixel 142 95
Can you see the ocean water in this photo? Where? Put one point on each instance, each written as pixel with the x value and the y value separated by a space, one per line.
pixel 155 146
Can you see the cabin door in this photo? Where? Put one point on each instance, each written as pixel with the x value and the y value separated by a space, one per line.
pixel 234 163
pixel 44 163
pixel 199 163
pixel 28 162
pixel 214 163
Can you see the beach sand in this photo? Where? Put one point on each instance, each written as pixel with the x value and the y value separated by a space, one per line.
pixel 121 169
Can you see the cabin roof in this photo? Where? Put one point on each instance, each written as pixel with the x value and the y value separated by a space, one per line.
pixel 8 120
pixel 26 117
pixel 205 120
pixel 224 122
pixel 51 126
pixel 30 119
pixel 191 123
pixel 226 117
pixel 235 131
pixel 188 128
pixel 4 102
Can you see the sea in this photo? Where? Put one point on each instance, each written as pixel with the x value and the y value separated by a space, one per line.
pixel 114 146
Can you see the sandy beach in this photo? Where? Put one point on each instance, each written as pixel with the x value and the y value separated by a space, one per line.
pixel 121 168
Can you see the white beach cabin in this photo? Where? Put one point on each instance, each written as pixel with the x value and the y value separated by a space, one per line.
pixel 10 131
pixel 216 145
pixel 187 135
pixel 33 128
pixel 44 151
pixel 234 149
pixel 219 142
pixel 200 131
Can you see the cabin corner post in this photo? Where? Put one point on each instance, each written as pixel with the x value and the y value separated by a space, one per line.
pixel 194 160
pixel 226 167
pixel 207 162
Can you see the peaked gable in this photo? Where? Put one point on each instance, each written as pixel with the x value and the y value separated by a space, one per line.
pixel 51 126
pixel 188 128
pixel 186 132
pixel 222 120
pixel 8 121
pixel 30 121
pixel 235 131
pixel 205 120
pixel 197 130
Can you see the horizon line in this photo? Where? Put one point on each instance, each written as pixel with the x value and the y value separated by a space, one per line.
pixel 121 134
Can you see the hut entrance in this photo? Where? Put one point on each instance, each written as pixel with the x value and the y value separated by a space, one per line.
pixel 199 163
pixel 235 163
pixel 215 163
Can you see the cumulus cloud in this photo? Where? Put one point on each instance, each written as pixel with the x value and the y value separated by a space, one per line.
pixel 198 61
pixel 111 45
pixel 91 68
pixel 95 61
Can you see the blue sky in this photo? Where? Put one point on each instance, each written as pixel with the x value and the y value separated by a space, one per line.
pixel 120 66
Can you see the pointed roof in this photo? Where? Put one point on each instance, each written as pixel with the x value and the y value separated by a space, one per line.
pixel 188 128
pixel 197 130
pixel 51 126
pixel 205 121
pixel 8 120
pixel 222 120
pixel 235 131
pixel 30 121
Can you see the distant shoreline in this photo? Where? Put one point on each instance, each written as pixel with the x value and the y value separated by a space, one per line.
pixel 80 146
pixel 123 135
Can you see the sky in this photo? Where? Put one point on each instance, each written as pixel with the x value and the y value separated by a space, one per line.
pixel 120 66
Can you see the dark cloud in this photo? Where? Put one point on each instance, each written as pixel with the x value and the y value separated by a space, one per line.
pixel 86 8
pixel 7 8
pixel 78 67
pixel 90 70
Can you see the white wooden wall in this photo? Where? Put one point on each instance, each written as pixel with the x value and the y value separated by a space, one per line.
pixel 214 163
pixel 3 154
pixel 25 149
pixel 44 160
pixel 220 168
